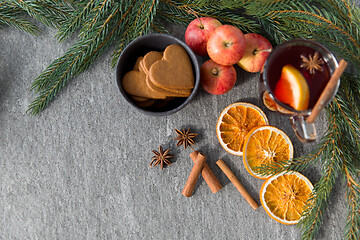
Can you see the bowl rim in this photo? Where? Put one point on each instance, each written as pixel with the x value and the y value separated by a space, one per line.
pixel 193 60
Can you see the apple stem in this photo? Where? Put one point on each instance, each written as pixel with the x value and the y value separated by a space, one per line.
pixel 201 25
pixel 264 50
pixel 228 44
pixel 214 71
pixel 197 16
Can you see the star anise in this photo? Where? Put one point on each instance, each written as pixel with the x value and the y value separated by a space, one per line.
pixel 161 157
pixel 313 63
pixel 185 138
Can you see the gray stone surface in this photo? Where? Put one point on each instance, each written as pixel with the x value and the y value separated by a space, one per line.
pixel 80 169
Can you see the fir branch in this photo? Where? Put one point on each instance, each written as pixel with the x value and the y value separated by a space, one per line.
pixel 56 10
pixel 74 61
pixel 352 227
pixel 312 216
pixel 11 15
pixel 301 20
pixel 344 143
pixel 296 164
pixel 49 12
pixel 231 4
pixel 180 12
pixel 143 21
pixel 116 53
pixel 85 51
pixel 261 8
pixel 347 110
pixel 98 12
pixel 44 80
pixel 140 25
pixel 301 163
pixel 271 28
pixel 75 21
pixel 338 6
pixel 158 26
pixel 339 146
pixel 346 106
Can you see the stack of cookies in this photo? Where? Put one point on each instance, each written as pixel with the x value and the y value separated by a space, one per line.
pixel 160 76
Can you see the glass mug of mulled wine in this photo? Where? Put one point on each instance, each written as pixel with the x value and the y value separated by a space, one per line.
pixel 294 76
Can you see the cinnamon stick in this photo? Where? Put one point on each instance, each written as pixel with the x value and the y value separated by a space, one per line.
pixel 194 175
pixel 222 165
pixel 208 175
pixel 327 92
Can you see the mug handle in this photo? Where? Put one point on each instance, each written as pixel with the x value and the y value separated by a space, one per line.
pixel 306 132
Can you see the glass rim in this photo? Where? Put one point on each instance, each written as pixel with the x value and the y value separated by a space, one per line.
pixel 303 42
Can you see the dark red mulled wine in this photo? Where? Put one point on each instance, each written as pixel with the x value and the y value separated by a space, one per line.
pixel 301 57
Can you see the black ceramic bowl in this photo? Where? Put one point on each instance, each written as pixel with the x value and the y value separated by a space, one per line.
pixel 141 46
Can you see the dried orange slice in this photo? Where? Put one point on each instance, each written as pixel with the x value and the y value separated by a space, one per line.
pixel 272 105
pixel 283 110
pixel 269 102
pixel 266 145
pixel 234 122
pixel 284 196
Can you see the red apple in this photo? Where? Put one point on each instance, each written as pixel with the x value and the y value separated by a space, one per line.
pixel 217 79
pixel 257 50
pixel 226 45
pixel 198 32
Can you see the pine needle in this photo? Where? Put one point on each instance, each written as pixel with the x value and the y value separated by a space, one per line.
pixel 12 15
pixel 50 12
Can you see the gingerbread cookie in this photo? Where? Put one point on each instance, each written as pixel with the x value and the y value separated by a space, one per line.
pixel 166 92
pixel 137 64
pixel 142 68
pixel 149 59
pixel 160 76
pixel 134 83
pixel 174 70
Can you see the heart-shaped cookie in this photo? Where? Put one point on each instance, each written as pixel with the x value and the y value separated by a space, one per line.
pixel 137 63
pixel 134 83
pixel 149 59
pixel 174 70
pixel 168 93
